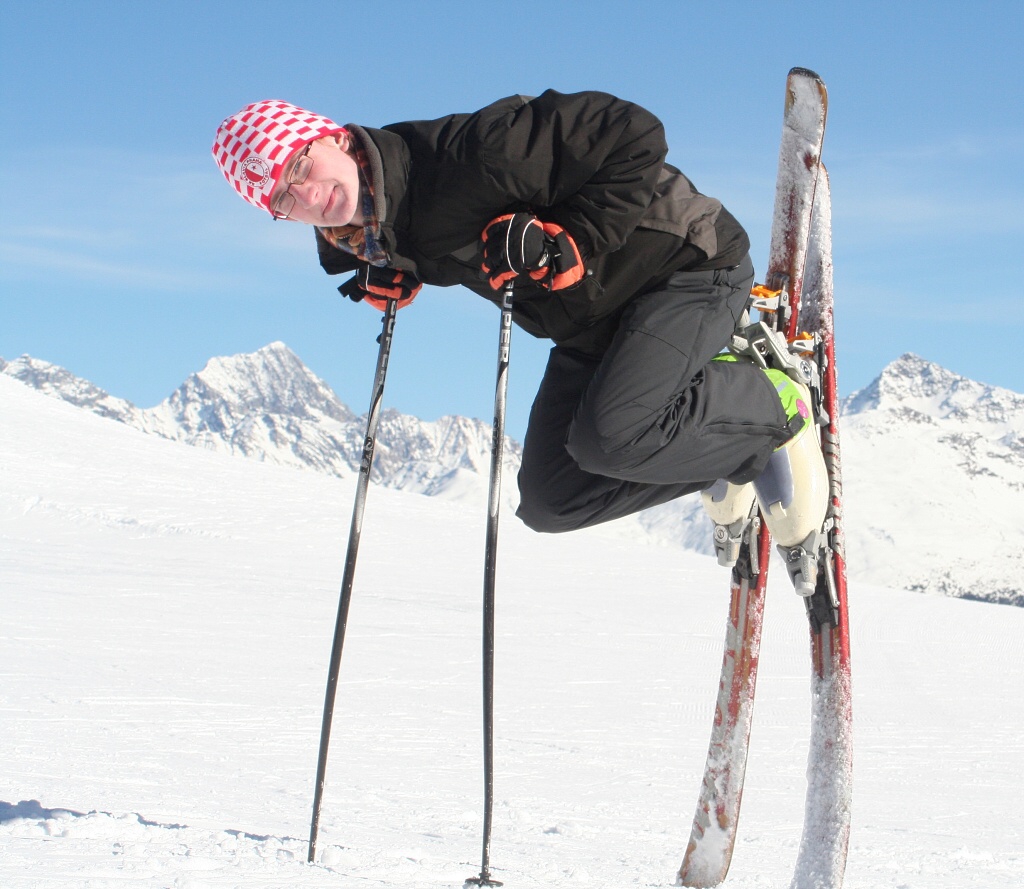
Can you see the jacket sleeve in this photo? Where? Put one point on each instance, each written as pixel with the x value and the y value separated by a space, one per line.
pixel 587 161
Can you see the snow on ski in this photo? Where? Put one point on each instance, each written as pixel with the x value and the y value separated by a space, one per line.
pixel 713 833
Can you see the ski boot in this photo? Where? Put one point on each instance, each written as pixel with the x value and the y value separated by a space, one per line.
pixel 731 508
pixel 793 489
pixel 792 492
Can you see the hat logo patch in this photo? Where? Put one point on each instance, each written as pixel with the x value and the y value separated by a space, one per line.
pixel 255 171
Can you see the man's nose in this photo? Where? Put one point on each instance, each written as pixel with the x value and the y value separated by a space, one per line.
pixel 304 194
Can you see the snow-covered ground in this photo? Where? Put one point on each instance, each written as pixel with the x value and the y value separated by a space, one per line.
pixel 165 622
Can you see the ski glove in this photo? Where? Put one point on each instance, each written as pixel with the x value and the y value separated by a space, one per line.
pixel 376 285
pixel 519 243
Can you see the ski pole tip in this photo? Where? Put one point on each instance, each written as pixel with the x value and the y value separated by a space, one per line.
pixel 483 880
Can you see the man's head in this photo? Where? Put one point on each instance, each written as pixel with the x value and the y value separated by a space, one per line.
pixel 278 157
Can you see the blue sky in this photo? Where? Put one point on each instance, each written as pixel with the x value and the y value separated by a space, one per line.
pixel 126 258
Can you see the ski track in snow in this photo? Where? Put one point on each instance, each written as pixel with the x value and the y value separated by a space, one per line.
pixel 165 624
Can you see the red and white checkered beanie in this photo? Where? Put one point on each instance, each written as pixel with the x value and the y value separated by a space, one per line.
pixel 253 146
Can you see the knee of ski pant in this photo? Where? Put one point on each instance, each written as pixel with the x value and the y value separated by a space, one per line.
pixel 600 450
pixel 537 516
pixel 541 509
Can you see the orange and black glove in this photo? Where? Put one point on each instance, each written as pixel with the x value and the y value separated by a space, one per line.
pixel 376 285
pixel 519 243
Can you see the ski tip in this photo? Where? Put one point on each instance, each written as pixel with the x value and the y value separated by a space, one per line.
pixel 804 81
pixel 805 72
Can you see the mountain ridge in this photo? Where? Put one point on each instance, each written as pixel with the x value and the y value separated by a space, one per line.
pixel 933 462
pixel 267 405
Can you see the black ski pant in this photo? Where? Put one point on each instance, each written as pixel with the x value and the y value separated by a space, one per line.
pixel 654 418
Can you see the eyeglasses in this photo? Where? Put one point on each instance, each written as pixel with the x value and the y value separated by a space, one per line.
pixel 284 203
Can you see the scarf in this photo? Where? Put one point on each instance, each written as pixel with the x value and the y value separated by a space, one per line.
pixel 363 240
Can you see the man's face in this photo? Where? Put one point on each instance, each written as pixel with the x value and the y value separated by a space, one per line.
pixel 330 193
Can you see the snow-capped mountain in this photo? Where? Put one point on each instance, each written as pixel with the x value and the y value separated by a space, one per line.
pixel 934 483
pixel 919 390
pixel 933 462
pixel 57 382
pixel 267 405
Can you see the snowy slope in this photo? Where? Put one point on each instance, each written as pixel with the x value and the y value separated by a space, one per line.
pixel 165 623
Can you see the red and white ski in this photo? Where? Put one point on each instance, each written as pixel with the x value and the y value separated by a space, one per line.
pixel 780 303
pixel 713 833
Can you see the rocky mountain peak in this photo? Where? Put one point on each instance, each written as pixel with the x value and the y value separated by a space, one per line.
pixel 271 380
pixel 918 389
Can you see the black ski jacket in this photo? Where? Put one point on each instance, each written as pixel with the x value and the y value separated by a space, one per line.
pixel 588 161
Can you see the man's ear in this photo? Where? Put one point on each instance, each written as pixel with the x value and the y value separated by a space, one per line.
pixel 343 140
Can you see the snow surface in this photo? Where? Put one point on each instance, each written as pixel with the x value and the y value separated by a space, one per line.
pixel 165 624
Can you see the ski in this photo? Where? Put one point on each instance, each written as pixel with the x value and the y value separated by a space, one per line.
pixel 713 832
pixel 821 860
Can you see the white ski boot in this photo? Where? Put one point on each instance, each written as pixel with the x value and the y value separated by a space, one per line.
pixel 793 489
pixel 730 507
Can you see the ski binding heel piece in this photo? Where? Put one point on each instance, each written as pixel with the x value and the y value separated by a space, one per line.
pixel 802 563
pixel 727 540
pixel 823 606
pixel 768 347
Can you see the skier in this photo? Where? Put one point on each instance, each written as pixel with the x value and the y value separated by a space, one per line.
pixel 638 278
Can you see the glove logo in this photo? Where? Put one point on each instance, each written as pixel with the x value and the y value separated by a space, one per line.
pixel 255 171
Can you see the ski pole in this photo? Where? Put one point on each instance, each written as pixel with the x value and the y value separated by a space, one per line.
pixel 350 565
pixel 490 556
